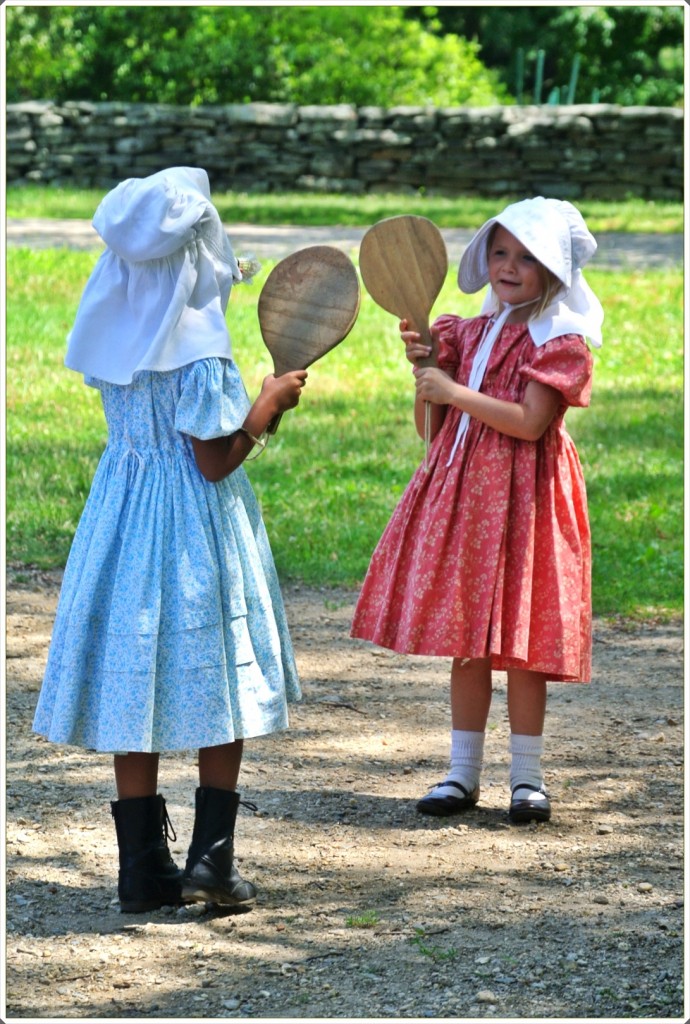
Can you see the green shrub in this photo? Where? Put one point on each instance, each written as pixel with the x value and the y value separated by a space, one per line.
pixel 190 54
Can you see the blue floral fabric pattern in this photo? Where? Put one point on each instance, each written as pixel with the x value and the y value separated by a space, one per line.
pixel 170 631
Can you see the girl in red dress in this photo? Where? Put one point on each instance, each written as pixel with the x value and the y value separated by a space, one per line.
pixel 487 556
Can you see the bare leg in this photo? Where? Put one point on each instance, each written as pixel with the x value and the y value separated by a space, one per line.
pixel 136 775
pixel 470 694
pixel 526 702
pixel 219 766
pixel 526 711
pixel 470 699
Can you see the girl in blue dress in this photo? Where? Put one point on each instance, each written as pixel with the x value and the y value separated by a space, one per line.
pixel 170 632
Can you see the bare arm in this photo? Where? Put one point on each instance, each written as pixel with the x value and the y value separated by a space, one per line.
pixel 526 420
pixel 220 456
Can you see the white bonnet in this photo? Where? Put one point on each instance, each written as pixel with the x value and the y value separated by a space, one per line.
pixel 553 231
pixel 556 234
pixel 157 297
pixel 151 218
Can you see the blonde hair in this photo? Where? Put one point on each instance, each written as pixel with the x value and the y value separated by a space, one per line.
pixel 550 284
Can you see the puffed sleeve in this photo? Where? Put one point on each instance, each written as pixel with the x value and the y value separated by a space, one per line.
pixel 213 401
pixel 448 354
pixel 565 364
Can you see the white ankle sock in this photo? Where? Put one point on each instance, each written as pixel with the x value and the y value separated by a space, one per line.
pixel 466 755
pixel 525 764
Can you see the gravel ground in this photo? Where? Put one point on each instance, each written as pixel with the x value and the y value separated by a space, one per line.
pixel 367 909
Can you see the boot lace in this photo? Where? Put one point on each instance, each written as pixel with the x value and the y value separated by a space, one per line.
pixel 168 826
pixel 249 805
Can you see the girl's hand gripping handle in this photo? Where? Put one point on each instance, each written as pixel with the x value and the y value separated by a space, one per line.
pixel 421 348
pixel 281 393
pixel 286 391
pixel 421 345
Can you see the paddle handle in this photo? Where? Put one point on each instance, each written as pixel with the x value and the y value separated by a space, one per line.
pixel 426 339
pixel 430 360
pixel 273 425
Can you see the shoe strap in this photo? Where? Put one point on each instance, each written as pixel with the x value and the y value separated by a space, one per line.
pixel 451 782
pixel 527 785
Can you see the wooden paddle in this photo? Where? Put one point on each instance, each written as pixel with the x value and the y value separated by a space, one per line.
pixel 308 304
pixel 404 262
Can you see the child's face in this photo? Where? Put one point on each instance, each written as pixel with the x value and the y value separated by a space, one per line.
pixel 514 273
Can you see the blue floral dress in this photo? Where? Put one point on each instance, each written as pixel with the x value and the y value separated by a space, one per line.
pixel 170 630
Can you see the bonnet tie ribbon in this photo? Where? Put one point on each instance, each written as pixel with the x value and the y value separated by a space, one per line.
pixel 479 365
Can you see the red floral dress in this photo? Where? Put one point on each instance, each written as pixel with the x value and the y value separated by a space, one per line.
pixel 490 555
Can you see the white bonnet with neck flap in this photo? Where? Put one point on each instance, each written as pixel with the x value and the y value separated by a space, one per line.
pixel 157 297
pixel 555 233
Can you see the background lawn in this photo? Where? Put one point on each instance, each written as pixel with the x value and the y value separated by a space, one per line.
pixel 331 476
pixel 319 209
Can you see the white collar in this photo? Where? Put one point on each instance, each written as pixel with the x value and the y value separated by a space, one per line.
pixel 578 311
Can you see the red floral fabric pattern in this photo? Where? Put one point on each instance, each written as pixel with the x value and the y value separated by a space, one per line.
pixel 491 555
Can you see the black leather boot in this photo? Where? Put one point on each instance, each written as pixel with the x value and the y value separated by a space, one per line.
pixel 148 877
pixel 210 874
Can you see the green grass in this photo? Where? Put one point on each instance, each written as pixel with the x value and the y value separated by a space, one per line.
pixel 316 209
pixel 436 953
pixel 329 479
pixel 366 919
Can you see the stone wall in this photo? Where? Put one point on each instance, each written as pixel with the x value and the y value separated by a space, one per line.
pixel 594 151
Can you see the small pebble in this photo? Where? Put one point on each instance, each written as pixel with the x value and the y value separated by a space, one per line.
pixel 645 887
pixel 605 830
pixel 192 910
pixel 486 996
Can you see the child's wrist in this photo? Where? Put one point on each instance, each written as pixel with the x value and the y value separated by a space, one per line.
pixel 259 440
pixel 265 410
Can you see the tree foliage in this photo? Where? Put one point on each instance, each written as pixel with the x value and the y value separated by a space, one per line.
pixel 379 55
pixel 233 54
pixel 632 55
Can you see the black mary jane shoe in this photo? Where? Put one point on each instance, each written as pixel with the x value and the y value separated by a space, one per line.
pixel 529 808
pixel 440 806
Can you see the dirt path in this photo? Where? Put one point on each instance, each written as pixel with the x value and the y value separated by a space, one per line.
pixel 367 909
